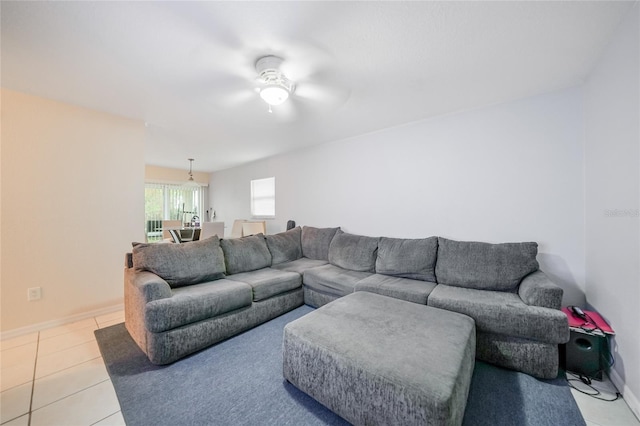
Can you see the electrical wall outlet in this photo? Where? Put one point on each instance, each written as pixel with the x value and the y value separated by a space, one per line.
pixel 34 293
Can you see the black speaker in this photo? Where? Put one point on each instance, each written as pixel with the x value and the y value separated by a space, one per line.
pixel 583 354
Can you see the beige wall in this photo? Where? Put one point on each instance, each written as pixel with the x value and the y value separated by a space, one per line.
pixel 166 175
pixel 72 191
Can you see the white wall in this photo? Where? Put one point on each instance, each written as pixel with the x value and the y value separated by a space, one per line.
pixel 612 174
pixel 72 202
pixel 509 172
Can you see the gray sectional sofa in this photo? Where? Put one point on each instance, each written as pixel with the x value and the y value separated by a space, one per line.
pixel 180 298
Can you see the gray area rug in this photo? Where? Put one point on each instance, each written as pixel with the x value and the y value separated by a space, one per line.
pixel 239 382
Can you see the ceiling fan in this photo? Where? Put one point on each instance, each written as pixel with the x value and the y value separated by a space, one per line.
pixel 292 87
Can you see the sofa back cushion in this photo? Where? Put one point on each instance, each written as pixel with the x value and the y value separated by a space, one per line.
pixel 181 264
pixel 353 252
pixel 485 266
pixel 315 242
pixel 408 258
pixel 285 246
pixel 246 254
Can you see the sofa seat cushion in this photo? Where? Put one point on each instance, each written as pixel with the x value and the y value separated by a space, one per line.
pixel 400 288
pixel 332 280
pixel 246 254
pixel 503 313
pixel 299 265
pixel 269 282
pixel 408 258
pixel 485 266
pixel 196 303
pixel 315 242
pixel 285 246
pixel 181 264
pixel 353 252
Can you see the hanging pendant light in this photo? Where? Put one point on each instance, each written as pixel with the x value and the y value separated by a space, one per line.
pixel 190 182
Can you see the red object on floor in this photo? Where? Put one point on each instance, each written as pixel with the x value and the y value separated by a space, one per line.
pixel 594 321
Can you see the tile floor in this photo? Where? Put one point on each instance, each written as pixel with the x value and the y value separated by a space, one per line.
pixel 602 413
pixel 57 377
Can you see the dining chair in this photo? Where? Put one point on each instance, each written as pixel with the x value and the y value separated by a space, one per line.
pixel 209 229
pixel 170 224
pixel 236 230
pixel 253 228
pixel 175 234
pixel 188 234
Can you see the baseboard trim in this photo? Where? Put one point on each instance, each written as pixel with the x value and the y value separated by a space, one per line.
pixel 629 397
pixel 17 332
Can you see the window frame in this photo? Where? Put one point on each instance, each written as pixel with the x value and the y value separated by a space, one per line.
pixel 269 198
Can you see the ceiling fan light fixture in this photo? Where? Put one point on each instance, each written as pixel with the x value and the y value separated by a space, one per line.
pixel 276 87
pixel 274 94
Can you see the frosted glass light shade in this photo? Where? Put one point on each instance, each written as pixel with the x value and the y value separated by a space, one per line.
pixel 274 95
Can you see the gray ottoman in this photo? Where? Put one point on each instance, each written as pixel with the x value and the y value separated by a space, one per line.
pixel 377 360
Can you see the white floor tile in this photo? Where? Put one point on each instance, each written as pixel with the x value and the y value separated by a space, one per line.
pixel 19 341
pixel 119 315
pixel 17 365
pixel 65 341
pixel 83 408
pixel 59 385
pixel 64 359
pixel 16 375
pixel 20 421
pixel 15 402
pixel 114 420
pixel 19 355
pixel 603 412
pixel 63 329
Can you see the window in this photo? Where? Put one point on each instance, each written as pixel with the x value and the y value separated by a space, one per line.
pixel 171 202
pixel 263 197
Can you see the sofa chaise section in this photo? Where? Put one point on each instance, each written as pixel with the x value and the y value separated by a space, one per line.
pixel 488 282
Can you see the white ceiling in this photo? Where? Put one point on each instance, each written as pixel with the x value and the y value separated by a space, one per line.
pixel 187 68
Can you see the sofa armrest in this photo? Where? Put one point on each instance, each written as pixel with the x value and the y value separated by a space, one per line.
pixel 141 288
pixel 536 289
pixel 147 285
